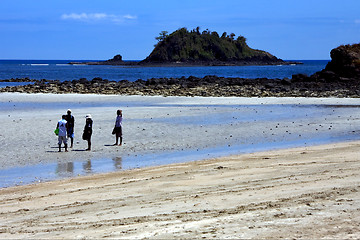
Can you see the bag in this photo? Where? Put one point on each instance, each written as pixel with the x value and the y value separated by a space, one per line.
pixel 114 131
pixel 56 131
pixel 84 136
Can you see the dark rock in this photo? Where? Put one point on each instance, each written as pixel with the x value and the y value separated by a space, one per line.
pixel 299 77
pixel 286 81
pixel 345 60
pixel 329 76
pixel 83 80
pixel 117 58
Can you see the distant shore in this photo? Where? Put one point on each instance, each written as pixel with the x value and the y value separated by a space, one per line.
pixel 187 64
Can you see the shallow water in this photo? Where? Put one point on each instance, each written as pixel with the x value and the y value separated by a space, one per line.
pixel 40 173
pixel 289 128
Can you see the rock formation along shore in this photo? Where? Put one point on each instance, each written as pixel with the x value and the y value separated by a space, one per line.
pixel 340 78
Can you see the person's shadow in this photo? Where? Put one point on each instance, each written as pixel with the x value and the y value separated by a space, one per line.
pixel 69 149
pixel 109 145
pixel 55 151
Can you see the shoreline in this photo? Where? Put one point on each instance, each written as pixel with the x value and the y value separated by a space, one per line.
pixel 306 192
pixel 33 174
pixel 299 85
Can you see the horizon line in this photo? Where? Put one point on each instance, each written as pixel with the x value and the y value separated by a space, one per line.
pixel 97 60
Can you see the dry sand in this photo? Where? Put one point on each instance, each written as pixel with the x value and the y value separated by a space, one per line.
pixel 306 192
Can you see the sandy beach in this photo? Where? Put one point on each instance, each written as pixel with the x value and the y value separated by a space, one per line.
pixel 303 192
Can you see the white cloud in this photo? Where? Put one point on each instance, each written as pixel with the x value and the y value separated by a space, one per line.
pixel 129 17
pixel 97 17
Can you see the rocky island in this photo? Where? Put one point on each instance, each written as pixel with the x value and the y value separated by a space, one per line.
pixel 184 47
pixel 195 48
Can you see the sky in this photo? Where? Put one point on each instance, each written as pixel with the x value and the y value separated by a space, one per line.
pixel 101 29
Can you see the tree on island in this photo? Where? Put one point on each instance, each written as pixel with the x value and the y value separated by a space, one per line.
pixel 207 47
pixel 162 36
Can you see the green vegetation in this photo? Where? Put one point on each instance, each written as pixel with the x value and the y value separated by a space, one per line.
pixel 193 47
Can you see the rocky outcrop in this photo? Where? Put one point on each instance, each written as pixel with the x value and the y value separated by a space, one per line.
pixel 116 60
pixel 343 67
pixel 340 78
pixel 193 86
pixel 345 61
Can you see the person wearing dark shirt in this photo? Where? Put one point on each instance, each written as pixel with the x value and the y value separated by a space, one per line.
pixel 70 130
pixel 88 131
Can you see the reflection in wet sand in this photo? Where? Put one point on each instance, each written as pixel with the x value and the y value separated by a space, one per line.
pixel 71 169
pixel 65 169
pixel 117 163
pixel 87 167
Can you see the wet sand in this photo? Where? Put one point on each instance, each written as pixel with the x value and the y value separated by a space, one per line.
pixel 306 192
pixel 154 125
pixel 302 193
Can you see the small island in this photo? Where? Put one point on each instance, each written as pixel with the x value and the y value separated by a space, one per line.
pixel 184 47
pixel 195 48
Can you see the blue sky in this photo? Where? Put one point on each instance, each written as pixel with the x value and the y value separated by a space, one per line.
pixel 100 29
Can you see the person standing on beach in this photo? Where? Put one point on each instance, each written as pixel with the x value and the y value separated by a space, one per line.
pixel 88 131
pixel 118 128
pixel 62 126
pixel 70 129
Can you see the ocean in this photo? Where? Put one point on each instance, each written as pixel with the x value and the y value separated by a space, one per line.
pixel 61 70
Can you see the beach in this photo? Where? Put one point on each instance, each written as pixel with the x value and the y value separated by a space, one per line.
pixel 302 193
pixel 268 168
pixel 155 124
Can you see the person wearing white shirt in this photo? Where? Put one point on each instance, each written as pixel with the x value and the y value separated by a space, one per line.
pixel 62 126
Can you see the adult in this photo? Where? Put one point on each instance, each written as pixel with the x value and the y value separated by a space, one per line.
pixel 70 129
pixel 62 126
pixel 118 128
pixel 88 131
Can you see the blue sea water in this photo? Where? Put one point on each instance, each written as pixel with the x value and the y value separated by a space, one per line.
pixel 61 70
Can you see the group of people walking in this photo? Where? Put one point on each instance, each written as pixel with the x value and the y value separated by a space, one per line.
pixel 65 130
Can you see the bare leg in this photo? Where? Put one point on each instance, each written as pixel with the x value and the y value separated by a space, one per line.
pixel 117 139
